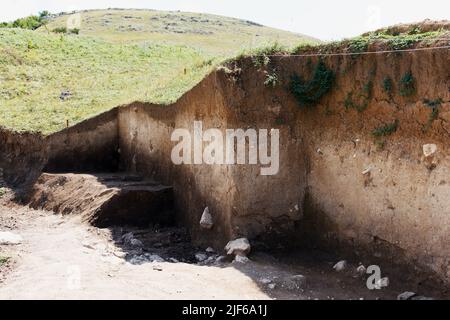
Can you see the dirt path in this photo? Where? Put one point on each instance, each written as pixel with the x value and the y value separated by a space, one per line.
pixel 62 258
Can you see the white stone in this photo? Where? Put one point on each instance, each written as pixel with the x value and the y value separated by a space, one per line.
pixel 130 240
pixel 361 270
pixel 206 221
pixel 201 257
pixel 10 238
pixel 265 280
pixel 340 266
pixel 407 295
pixel 210 250
pixel 241 259
pixel 429 149
pixel 239 247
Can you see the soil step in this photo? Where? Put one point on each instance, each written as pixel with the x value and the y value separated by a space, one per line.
pixel 105 199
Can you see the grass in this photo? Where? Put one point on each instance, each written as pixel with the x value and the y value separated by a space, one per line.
pixel 3 260
pixel 53 75
pixel 212 34
pixel 36 67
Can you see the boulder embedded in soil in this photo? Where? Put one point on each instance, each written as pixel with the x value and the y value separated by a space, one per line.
pixel 206 221
pixel 238 247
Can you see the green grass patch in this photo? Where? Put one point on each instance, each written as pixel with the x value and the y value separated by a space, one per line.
pixel 35 68
pixel 310 92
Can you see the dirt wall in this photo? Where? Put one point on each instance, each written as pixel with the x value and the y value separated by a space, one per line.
pixel 22 157
pixel 340 182
pixel 91 145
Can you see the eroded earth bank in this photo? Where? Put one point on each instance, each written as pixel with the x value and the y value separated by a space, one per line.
pixel 364 173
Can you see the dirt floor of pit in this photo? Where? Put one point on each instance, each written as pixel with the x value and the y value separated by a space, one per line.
pixel 64 258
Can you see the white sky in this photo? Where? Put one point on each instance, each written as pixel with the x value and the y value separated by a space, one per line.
pixel 323 19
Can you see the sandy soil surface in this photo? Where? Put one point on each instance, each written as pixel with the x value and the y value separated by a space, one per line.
pixel 63 258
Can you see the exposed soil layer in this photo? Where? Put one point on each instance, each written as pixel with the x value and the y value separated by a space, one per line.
pixel 105 199
pixel 353 175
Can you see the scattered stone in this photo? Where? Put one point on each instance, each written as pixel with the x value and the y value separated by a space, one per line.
pixel 206 221
pixel 361 270
pixel 130 240
pixel 65 94
pixel 407 295
pixel 157 268
pixel 221 259
pixel 9 238
pixel 137 260
pixel 241 259
pixel 421 298
pixel 265 280
pixel 238 247
pixel 340 266
pixel 293 282
pixel 173 260
pixel 154 258
pixel 210 260
pixel 381 283
pixel 271 286
pixel 210 250
pixel 201 257
pixel 119 254
pixel 429 150
pixel 367 170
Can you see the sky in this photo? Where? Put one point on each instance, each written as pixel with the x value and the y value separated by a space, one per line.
pixel 323 19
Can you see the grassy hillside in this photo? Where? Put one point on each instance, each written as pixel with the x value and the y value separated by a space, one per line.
pixel 119 56
pixel 48 79
pixel 212 34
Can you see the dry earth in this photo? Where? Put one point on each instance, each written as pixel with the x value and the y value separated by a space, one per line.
pixel 62 257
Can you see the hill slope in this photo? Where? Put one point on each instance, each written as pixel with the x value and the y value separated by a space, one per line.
pixel 49 79
pixel 211 33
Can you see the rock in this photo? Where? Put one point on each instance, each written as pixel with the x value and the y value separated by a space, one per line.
pixel 429 150
pixel 173 260
pixel 9 238
pixel 130 240
pixel 210 250
pixel 201 257
pixel 294 282
pixel 381 283
pixel 407 295
pixel 271 286
pixel 206 221
pixel 119 254
pixel 221 259
pixel 241 259
pixel 154 258
pixel 65 94
pixel 238 247
pixel 157 268
pixel 421 298
pixel 137 260
pixel 361 270
pixel 265 280
pixel 340 266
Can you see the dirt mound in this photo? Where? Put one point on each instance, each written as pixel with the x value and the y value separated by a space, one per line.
pixel 105 199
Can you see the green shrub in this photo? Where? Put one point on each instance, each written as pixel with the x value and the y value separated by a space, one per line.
pixel 385 130
pixel 271 80
pixel 310 92
pixel 74 31
pixel 388 85
pixel 434 114
pixel 407 85
pixel 60 30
